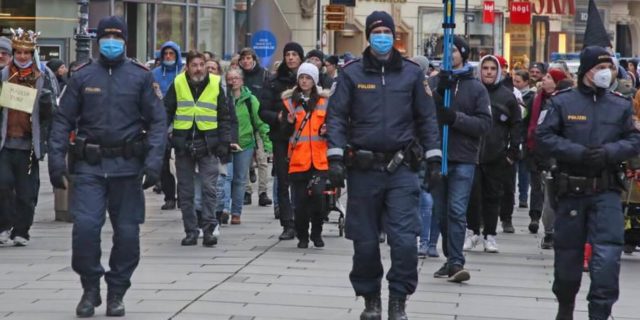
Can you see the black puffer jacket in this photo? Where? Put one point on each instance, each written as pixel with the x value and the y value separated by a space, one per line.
pixel 473 108
pixel 255 79
pixel 271 101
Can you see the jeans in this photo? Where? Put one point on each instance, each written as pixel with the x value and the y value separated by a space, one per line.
pixel 224 189
pixel 262 165
pixel 523 181
pixel 18 190
pixel 451 198
pixel 426 208
pixel 241 163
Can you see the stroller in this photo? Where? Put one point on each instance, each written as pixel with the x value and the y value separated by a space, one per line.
pixel 332 203
pixel 631 207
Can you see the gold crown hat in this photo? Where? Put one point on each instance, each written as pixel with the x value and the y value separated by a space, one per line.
pixel 24 40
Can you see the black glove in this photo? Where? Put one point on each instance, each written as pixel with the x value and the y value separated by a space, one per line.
pixel 514 154
pixel 336 171
pixel 222 150
pixel 595 157
pixel 446 115
pixel 151 178
pixel 57 179
pixel 446 80
pixel 434 172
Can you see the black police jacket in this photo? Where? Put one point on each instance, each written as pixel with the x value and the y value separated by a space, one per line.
pixel 473 116
pixel 381 107
pixel 579 118
pixel 505 131
pixel 110 103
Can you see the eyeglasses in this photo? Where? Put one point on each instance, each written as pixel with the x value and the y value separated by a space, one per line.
pixel 233 78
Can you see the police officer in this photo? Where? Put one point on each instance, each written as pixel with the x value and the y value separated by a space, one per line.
pixel 110 103
pixel 377 113
pixel 590 131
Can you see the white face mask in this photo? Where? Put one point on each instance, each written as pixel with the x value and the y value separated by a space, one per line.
pixel 602 78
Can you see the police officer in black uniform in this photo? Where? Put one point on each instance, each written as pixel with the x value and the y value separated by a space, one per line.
pixel 381 122
pixel 121 125
pixel 590 131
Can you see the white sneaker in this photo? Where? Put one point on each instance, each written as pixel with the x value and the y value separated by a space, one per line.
pixel 200 233
pixel 19 241
pixel 216 231
pixel 490 244
pixel 5 238
pixel 470 240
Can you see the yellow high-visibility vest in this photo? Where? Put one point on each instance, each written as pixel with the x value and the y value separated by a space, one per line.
pixel 204 112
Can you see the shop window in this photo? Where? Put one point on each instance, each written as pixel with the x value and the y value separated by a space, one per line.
pixel 212 2
pixel 211 30
pixel 17 14
pixel 193 14
pixel 171 24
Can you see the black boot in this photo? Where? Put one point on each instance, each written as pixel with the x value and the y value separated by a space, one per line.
pixel 263 200
pixel 247 199
pixel 90 299
pixel 316 235
pixel 565 311
pixel 287 234
pixel 372 308
pixel 276 212
pixel 190 240
pixel 168 205
pixel 115 306
pixel 534 225
pixel 396 308
pixel 208 239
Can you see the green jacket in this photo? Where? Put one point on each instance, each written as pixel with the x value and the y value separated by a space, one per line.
pixel 246 138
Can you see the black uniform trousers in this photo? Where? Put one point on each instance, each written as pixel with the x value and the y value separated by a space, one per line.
pixel 281 167
pixel 19 189
pixel 91 197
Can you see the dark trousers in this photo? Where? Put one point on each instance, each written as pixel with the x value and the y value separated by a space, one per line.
pixel 281 167
pixel 308 209
pixel 372 195
pixel 598 218
pixel 19 189
pixel 507 203
pixel 167 181
pixel 484 205
pixel 537 195
pixel 91 197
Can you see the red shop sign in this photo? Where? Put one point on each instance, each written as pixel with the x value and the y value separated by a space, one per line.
pixel 487 12
pixel 520 12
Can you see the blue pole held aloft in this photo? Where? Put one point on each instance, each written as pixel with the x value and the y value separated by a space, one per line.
pixel 448 24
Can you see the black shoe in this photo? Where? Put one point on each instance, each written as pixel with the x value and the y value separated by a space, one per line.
pixel 89 301
pixel 276 212
pixel 224 218
pixel 247 198
pixel 303 244
pixel 507 227
pixel 443 272
pixel 287 234
pixel 534 225
pixel 263 200
pixel 115 306
pixel 458 274
pixel 547 241
pixel 317 241
pixel 157 189
pixel 396 308
pixel 209 240
pixel 629 248
pixel 190 240
pixel 372 308
pixel 382 237
pixel 252 175
pixel 565 312
pixel 168 205
pixel 523 205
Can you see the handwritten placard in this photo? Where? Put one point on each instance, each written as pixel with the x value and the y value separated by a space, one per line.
pixel 17 97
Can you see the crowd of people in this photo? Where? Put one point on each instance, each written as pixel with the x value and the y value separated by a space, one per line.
pixel 198 132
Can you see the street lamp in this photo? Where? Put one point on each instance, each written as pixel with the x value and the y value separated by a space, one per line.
pixel 82 37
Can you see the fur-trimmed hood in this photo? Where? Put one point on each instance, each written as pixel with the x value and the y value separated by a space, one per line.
pixel 325 93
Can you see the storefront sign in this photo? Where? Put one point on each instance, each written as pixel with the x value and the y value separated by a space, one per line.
pixel 17 97
pixel 520 12
pixel 487 12
pixel 561 7
pixel 392 1
pixel 264 43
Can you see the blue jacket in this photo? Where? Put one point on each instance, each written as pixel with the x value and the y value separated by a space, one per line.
pixel 165 75
pixel 381 107
pixel 579 118
pixel 110 104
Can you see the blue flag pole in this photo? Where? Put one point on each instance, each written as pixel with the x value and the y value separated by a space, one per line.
pixel 448 24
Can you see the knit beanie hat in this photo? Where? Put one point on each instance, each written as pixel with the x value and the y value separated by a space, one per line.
pixel 293 46
pixel 112 25
pixel 462 46
pixel 55 64
pixel 333 60
pixel 309 69
pixel 540 66
pixel 5 44
pixel 557 74
pixel 592 56
pixel 380 19
pixel 315 53
pixel 422 61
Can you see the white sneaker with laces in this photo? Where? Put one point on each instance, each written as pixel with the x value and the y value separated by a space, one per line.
pixel 470 240
pixel 216 231
pixel 200 233
pixel 490 244
pixel 5 238
pixel 19 241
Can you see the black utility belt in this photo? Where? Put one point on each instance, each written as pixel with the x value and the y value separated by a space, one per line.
pixel 378 161
pixel 577 186
pixel 94 153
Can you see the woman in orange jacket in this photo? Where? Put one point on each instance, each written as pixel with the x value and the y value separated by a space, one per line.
pixel 306 106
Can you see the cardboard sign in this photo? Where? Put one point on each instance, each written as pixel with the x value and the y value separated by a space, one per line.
pixel 17 97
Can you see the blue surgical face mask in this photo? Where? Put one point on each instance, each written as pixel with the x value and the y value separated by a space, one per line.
pixel 111 48
pixel 169 63
pixel 23 65
pixel 381 43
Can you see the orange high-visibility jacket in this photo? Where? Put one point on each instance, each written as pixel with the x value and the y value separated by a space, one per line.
pixel 311 148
